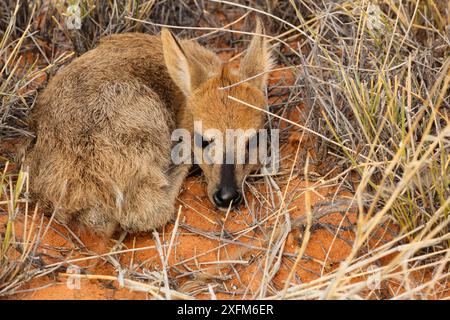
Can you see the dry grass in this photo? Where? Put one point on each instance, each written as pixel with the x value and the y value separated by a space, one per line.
pixel 375 78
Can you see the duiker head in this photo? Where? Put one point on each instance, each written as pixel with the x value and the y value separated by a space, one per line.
pixel 225 130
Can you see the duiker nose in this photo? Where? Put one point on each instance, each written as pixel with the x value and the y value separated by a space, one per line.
pixel 224 196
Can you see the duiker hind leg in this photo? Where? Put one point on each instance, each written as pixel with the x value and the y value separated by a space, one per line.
pixel 151 205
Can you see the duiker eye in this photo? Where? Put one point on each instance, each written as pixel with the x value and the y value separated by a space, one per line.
pixel 201 142
pixel 205 143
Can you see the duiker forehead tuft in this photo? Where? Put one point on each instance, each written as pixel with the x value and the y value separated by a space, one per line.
pixel 213 107
pixel 228 76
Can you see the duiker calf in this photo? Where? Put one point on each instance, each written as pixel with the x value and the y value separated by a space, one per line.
pixel 102 152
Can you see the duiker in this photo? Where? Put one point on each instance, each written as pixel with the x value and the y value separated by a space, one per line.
pixel 102 152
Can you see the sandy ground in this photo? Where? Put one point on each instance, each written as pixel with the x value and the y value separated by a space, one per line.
pixel 195 248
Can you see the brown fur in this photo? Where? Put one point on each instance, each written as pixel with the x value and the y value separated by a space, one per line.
pixel 102 150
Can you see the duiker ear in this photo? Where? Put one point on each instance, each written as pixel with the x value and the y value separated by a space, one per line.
pixel 257 60
pixel 183 67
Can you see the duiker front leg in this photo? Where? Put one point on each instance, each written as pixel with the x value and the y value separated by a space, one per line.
pixel 151 205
